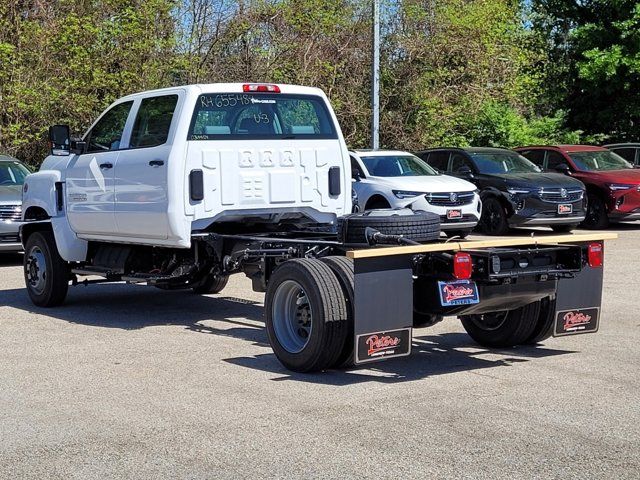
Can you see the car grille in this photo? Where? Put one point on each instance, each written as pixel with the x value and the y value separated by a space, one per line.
pixel 449 199
pixel 561 195
pixel 10 212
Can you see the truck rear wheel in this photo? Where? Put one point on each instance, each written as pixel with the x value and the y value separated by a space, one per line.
pixel 46 274
pixel 544 325
pixel 503 329
pixel 211 284
pixel 306 315
pixel 342 267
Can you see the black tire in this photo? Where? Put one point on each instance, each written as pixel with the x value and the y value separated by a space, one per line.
pixel 457 233
pixel 421 320
pixel 503 329
pixel 323 307
pixel 544 325
pixel 596 218
pixel 342 267
pixel 418 226
pixel 377 204
pixel 211 284
pixel 493 220
pixel 564 228
pixel 46 274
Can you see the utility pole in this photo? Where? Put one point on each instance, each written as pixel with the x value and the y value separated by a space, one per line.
pixel 375 78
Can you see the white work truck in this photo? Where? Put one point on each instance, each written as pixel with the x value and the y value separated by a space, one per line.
pixel 181 187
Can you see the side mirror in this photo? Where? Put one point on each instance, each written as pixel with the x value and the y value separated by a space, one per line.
pixel 355 174
pixel 60 140
pixel 563 168
pixel 465 171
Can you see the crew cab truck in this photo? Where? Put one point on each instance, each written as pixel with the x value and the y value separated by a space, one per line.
pixel 179 188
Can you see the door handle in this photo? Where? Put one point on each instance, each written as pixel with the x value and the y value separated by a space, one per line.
pixel 156 163
pixel 106 165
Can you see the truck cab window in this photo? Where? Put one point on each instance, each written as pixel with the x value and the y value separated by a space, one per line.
pixel 153 121
pixel 107 133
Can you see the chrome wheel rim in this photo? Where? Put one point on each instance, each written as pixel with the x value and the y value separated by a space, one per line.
pixel 292 316
pixel 36 270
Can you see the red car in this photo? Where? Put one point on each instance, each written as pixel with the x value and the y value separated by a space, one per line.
pixel 613 184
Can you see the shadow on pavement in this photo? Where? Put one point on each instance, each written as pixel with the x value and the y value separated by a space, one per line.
pixel 134 307
pixel 431 356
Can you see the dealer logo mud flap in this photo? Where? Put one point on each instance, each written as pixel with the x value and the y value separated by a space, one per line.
pixel 380 345
pixel 578 320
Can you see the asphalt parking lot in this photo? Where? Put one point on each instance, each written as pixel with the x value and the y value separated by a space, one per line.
pixel 134 382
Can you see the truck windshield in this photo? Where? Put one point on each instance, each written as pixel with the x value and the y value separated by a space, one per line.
pixel 12 173
pixel 491 163
pixel 228 116
pixel 599 160
pixel 397 166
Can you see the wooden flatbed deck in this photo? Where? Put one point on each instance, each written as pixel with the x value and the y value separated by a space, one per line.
pixel 475 244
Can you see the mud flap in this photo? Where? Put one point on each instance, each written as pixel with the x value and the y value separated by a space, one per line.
pixel 383 308
pixel 578 303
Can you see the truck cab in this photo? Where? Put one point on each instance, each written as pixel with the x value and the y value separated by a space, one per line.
pixel 157 166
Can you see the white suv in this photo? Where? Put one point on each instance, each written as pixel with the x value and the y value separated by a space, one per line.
pixel 396 179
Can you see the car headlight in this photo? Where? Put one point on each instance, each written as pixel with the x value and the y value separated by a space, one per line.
pixel 406 194
pixel 518 191
pixel 619 186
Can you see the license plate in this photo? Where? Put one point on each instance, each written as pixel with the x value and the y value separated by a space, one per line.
pixel 454 214
pixel 578 320
pixel 380 345
pixel 460 292
pixel 564 209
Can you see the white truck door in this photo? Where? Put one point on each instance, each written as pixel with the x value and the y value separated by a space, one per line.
pixel 90 177
pixel 141 201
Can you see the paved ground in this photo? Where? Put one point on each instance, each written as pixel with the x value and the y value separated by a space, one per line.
pixel 132 382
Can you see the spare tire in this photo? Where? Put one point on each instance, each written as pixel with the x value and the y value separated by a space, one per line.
pixel 419 226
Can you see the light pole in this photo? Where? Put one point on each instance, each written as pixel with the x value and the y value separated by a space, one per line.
pixel 375 78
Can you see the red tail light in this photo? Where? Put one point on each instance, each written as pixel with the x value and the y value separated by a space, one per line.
pixel 595 254
pixel 260 87
pixel 462 266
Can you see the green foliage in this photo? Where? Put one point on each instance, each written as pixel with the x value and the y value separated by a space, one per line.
pixel 454 72
pixel 598 44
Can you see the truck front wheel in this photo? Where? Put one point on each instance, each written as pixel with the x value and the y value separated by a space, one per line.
pixel 306 315
pixel 503 329
pixel 46 274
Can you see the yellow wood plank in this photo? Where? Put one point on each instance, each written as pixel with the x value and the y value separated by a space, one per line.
pixel 474 244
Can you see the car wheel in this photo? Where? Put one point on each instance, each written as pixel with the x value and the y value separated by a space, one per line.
pixel 596 218
pixel 377 204
pixel 46 274
pixel 493 220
